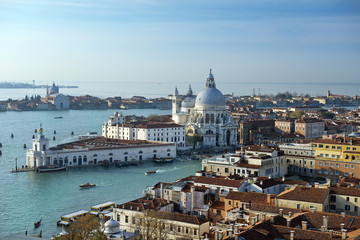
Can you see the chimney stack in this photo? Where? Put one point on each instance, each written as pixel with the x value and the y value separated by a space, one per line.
pixel 322 228
pixel 342 225
pixel 236 236
pixel 290 213
pixel 288 222
pixel 303 225
pixel 268 199
pixel 343 234
pixel 292 233
pixel 221 236
pixel 236 227
pixel 326 222
pixel 281 212
pixel 343 214
pixel 264 216
pixel 230 233
pixel 331 233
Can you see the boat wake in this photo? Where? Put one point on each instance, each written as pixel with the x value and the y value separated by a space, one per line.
pixel 166 170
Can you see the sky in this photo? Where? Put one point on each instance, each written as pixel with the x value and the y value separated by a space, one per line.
pixel 178 41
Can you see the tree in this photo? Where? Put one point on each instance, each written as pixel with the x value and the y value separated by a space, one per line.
pixel 326 114
pixel 151 226
pixel 296 114
pixel 83 228
pixel 152 117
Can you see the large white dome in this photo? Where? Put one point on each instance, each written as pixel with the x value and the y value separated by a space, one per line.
pixel 210 97
pixel 188 102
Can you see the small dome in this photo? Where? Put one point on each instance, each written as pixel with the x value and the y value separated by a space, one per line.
pixel 111 227
pixel 188 102
pixel 54 89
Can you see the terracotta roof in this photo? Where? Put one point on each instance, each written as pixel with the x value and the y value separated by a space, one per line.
pixel 267 231
pixel 315 220
pixel 348 191
pixel 218 181
pixel 305 194
pixel 355 141
pixel 253 197
pixel 272 209
pixel 268 182
pixel 142 204
pixel 180 217
pixel 246 165
pixel 218 205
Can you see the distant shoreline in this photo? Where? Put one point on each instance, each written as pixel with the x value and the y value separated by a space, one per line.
pixel 12 85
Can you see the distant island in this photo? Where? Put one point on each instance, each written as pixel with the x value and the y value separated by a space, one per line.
pixel 28 85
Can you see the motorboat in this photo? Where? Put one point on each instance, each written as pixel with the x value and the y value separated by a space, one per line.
pixel 50 169
pixel 150 172
pixel 87 185
pixel 37 224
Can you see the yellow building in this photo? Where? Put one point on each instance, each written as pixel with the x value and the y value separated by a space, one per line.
pixel 337 157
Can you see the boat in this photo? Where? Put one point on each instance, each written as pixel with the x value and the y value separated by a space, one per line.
pixel 37 224
pixel 101 208
pixel 87 185
pixel 68 218
pixel 123 107
pixel 50 169
pixel 58 117
pixel 163 160
pixel 92 133
pixel 150 172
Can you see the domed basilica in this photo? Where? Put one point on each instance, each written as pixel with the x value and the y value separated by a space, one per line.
pixel 205 115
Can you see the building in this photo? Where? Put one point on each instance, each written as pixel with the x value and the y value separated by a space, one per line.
pixel 256 161
pixel 146 215
pixel 94 151
pixel 336 157
pixel 248 130
pixel 117 128
pixel 285 126
pixel 345 200
pixel 205 117
pixel 300 158
pixel 305 198
pixel 310 127
pixel 60 101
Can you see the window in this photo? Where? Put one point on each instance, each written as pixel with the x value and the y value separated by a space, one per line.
pixel 320 171
pixel 229 202
pixel 327 146
pixel 346 174
pixel 74 159
pixel 320 163
pixel 355 208
pixel 126 219
pixel 325 172
pixel 195 231
pixel 331 164
pixel 346 165
pixel 333 207
pixel 298 206
pixel 218 212
pixel 347 199
pixel 321 146
pixel 332 198
pixel 314 145
pixel 326 164
pixel 355 199
pixel 352 166
pixel 347 207
pixel 66 160
pixel 338 148
pixel 337 173
pixel 347 148
pixel 354 148
pixel 333 147
pixel 337 165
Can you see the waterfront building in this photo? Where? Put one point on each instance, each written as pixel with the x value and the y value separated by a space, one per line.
pixel 144 215
pixel 337 156
pixel 60 101
pixel 300 158
pixel 95 151
pixel 256 161
pixel 204 116
pixel 117 128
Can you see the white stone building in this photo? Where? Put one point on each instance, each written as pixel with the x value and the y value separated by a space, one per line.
pixel 94 151
pixel 116 128
pixel 205 115
pixel 60 101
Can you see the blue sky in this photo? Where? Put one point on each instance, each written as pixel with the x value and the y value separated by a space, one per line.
pixel 178 41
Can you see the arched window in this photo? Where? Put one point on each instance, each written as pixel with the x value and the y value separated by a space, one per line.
pixel 74 159
pixel 209 132
pixel 110 154
pixel 154 151
pixel 169 150
pixel 207 118
pixel 85 158
pixel 190 131
pixel 66 160
pixel 212 118
pixel 126 153
pixel 140 152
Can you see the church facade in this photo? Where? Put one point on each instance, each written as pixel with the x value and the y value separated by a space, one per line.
pixel 204 116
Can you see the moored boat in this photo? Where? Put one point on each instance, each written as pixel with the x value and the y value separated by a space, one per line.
pixel 150 172
pixel 87 185
pixel 50 169
pixel 163 160
pixel 58 117
pixel 37 224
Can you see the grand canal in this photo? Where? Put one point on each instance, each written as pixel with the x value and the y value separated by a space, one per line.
pixel 27 197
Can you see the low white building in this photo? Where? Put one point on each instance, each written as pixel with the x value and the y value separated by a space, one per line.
pixel 94 151
pixel 116 128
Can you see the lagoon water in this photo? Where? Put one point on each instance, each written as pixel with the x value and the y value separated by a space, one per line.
pixel 27 196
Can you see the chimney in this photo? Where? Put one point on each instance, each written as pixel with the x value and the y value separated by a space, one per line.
pixel 192 197
pixel 331 233
pixel 326 222
pixel 283 178
pixel 230 233
pixel 268 199
pixel 232 226
pixel 221 236
pixel 253 221
pixel 342 225
pixel 290 213
pixel 343 214
pixel 292 233
pixel 272 219
pixel 281 212
pixel 216 234
pixel 343 234
pixel 264 216
pixel 316 185
pixel 236 227
pixel 322 228
pixel 161 190
pixel 313 210
pixel 236 236
pixel 261 182
pixel 288 222
pixel 257 217
pixel 303 225
pixel 269 177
